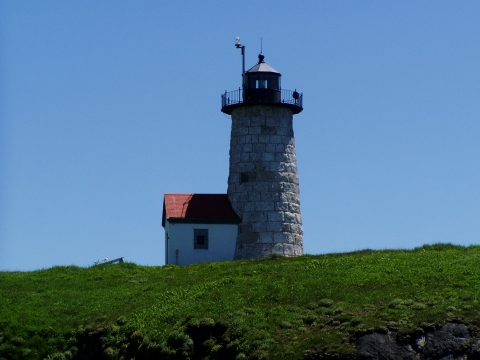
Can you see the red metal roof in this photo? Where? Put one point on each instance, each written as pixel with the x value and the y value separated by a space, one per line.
pixel 198 207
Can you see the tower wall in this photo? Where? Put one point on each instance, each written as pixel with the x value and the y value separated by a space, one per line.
pixel 263 183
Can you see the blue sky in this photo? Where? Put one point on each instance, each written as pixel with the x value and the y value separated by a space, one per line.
pixel 105 106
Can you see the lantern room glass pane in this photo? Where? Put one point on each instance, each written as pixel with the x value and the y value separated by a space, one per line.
pixel 274 82
pixel 263 81
pixel 261 84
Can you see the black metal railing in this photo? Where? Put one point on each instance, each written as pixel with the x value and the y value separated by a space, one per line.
pixel 236 97
pixel 232 97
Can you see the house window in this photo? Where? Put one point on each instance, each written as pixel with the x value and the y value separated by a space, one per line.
pixel 200 239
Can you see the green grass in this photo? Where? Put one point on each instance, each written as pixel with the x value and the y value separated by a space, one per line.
pixel 271 308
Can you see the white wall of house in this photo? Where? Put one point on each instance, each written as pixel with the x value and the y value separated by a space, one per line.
pixel 180 236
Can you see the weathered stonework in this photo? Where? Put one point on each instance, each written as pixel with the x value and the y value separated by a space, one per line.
pixel 263 183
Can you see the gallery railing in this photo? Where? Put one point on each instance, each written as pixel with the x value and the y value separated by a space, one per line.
pixel 240 96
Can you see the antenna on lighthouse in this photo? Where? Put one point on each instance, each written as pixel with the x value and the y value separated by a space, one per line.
pixel 239 45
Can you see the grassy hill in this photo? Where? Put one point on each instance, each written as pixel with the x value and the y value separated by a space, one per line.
pixel 272 308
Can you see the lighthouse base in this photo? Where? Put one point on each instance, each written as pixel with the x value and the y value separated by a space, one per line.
pixel 257 251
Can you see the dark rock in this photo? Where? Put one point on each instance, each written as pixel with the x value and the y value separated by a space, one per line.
pixel 383 347
pixel 475 350
pixel 451 341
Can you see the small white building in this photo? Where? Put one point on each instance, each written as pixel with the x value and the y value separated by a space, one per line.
pixel 198 228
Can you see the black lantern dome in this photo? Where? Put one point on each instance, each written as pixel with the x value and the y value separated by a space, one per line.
pixel 261 86
pixel 262 83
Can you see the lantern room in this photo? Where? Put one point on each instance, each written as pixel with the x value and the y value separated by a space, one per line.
pixel 261 85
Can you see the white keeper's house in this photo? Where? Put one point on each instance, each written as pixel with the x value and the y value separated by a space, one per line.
pixel 259 216
pixel 198 228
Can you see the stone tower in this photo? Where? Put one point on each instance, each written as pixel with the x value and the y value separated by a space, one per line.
pixel 263 184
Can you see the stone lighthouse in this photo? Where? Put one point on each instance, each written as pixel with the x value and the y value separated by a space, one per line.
pixel 263 186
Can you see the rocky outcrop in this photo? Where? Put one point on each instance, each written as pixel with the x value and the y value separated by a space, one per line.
pixel 383 347
pixel 452 341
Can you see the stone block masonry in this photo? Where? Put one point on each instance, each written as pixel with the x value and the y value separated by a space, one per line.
pixel 263 184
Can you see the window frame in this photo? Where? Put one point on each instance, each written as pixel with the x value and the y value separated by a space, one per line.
pixel 197 233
